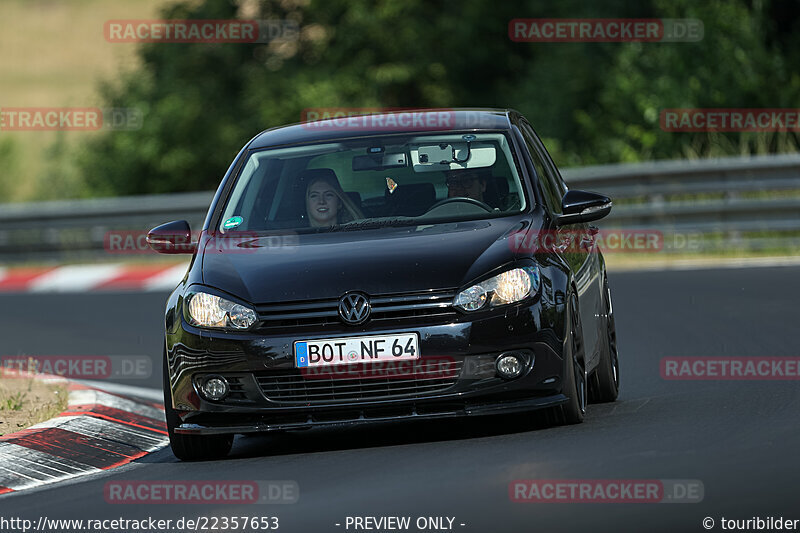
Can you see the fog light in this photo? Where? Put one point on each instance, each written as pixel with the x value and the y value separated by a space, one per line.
pixel 214 388
pixel 509 366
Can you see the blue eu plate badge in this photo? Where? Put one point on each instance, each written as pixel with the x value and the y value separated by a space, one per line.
pixel 301 354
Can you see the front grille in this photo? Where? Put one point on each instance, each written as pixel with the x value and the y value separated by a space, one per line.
pixel 390 307
pixel 292 387
pixel 236 388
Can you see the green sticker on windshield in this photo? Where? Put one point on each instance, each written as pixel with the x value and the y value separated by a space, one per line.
pixel 232 222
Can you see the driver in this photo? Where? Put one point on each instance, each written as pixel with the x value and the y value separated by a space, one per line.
pixel 326 203
pixel 466 184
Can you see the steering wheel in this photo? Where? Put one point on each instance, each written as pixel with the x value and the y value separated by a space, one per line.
pixel 465 199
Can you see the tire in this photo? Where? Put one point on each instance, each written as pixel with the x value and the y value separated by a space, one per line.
pixel 575 386
pixel 605 380
pixel 191 447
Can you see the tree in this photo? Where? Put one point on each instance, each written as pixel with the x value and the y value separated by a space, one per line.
pixel 593 102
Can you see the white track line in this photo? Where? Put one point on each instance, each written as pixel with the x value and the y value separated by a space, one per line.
pixel 75 278
pixel 166 280
pixel 93 397
pixel 155 395
pixel 90 426
pixel 23 467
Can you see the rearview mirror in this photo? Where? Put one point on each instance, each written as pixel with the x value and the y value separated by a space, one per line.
pixel 583 206
pixel 438 153
pixel 172 238
pixel 452 156
pixel 379 161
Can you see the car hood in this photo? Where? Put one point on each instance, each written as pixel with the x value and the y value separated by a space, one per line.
pixel 378 261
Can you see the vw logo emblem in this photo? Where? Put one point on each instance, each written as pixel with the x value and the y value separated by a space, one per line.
pixel 354 308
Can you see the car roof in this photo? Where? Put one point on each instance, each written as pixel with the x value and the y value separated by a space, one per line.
pixel 362 123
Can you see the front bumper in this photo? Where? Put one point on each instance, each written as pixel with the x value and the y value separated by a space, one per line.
pixel 474 342
pixel 366 416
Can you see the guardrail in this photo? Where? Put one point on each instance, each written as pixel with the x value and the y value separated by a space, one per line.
pixel 77 230
pixel 732 198
pixel 730 175
pixel 727 203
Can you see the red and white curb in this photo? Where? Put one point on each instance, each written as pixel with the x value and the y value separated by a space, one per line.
pixel 98 431
pixel 145 278
pixel 84 278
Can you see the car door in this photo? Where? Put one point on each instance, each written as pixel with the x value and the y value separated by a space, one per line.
pixel 578 244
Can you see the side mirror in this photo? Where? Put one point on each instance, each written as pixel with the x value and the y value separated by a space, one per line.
pixel 582 206
pixel 172 238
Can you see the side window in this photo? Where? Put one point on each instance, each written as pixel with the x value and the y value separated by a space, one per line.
pixel 555 176
pixel 550 190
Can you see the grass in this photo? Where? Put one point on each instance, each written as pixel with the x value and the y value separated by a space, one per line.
pixel 13 402
pixel 26 401
pixel 627 261
pixel 711 247
pixel 54 55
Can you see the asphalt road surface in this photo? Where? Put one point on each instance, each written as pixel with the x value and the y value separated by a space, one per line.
pixel 740 439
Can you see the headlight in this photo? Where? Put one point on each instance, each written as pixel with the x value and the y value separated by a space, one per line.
pixel 210 311
pixel 506 288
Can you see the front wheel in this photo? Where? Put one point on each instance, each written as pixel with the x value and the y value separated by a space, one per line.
pixel 574 386
pixel 191 447
pixel 605 382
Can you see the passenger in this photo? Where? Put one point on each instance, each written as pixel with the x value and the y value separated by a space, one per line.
pixel 327 204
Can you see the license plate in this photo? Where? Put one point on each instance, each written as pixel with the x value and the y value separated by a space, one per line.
pixel 351 350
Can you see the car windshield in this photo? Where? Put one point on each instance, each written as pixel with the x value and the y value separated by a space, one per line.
pixel 378 181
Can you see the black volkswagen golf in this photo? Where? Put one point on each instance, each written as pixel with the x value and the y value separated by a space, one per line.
pixel 406 265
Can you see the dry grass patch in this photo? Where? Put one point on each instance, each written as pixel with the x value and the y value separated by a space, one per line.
pixel 25 402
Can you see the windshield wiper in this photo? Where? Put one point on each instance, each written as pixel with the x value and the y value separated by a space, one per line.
pixel 374 223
